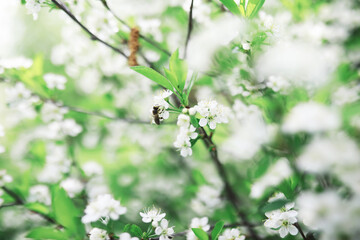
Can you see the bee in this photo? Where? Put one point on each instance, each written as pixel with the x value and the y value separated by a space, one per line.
pixel 155 112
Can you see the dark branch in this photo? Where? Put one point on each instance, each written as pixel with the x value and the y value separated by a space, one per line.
pixel 297 225
pixel 190 27
pixel 230 193
pixel 60 5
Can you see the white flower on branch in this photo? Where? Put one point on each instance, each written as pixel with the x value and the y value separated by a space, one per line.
pixel 282 219
pixel 164 230
pixel 212 113
pixel 52 112
pixel 104 208
pixel 183 138
pixel 152 215
pixel 98 234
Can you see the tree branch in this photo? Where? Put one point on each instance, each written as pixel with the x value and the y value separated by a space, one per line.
pixel 61 5
pixel 190 26
pixel 297 225
pixel 230 193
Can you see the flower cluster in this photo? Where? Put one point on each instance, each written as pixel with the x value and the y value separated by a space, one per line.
pixel 186 133
pixel 72 186
pixel 103 208
pixel 211 112
pixel 282 219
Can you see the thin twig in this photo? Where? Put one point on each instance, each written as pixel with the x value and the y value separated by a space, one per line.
pixel 297 225
pixel 230 193
pixel 190 27
pixel 152 42
pixel 61 5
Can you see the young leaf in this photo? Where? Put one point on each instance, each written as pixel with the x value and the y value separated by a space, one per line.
pixel 217 229
pixel 253 7
pixel 242 7
pixel 38 207
pixel 201 234
pixel 47 233
pixel 179 68
pixel 275 205
pixel 231 5
pixel 136 231
pixel 154 76
pixel 65 211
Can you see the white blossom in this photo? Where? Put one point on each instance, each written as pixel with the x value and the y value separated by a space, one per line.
pixel 152 215
pixel 344 95
pixel 127 236
pixel 183 120
pixel 212 113
pixel 164 230
pixel 72 186
pixel 33 7
pixel 183 140
pixel 52 112
pixel 104 207
pixel 231 234
pixel 92 169
pixel 40 193
pixel 4 178
pixel 98 234
pixel 282 219
pixel 161 103
pixel 55 81
pixel 311 117
pixel 278 84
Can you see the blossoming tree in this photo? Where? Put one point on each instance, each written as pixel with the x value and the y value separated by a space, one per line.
pixel 196 119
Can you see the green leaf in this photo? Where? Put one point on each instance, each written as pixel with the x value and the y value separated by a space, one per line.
pixel 38 207
pixel 253 7
pixel 47 233
pixel 217 229
pixel 231 5
pixel 172 78
pixel 154 76
pixel 198 177
pixel 274 205
pixel 65 211
pixel 179 68
pixel 136 230
pixel 201 234
pixel 242 7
